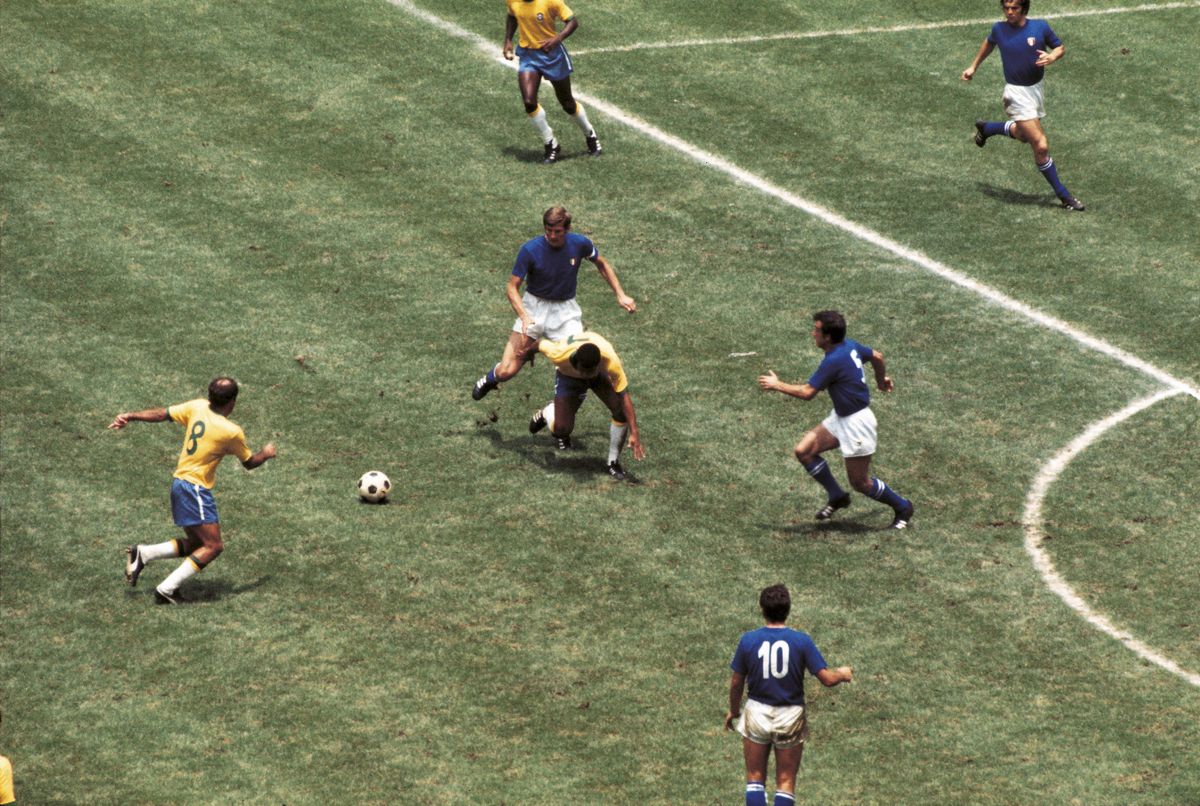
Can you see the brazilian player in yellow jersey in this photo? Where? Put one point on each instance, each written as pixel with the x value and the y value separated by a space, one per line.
pixel 541 54
pixel 209 436
pixel 6 783
pixel 587 361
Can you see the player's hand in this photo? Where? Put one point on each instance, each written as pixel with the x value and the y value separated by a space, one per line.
pixel 526 323
pixel 768 381
pixel 549 45
pixel 886 384
pixel 968 74
pixel 508 51
pixel 730 716
pixel 636 447
pixel 1043 58
pixel 119 422
pixel 846 673
pixel 627 303
pixel 269 451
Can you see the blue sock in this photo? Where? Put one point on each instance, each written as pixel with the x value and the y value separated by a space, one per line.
pixel 886 495
pixel 491 376
pixel 995 127
pixel 820 471
pixel 784 799
pixel 756 794
pixel 1051 175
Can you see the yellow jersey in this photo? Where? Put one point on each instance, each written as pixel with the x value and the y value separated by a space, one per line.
pixel 6 785
pixel 560 353
pixel 207 438
pixel 537 19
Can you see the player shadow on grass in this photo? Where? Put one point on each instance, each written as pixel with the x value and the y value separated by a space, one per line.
pixel 530 156
pixel 1009 196
pixel 833 530
pixel 539 451
pixel 203 591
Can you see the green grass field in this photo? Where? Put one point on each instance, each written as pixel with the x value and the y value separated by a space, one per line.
pixel 323 199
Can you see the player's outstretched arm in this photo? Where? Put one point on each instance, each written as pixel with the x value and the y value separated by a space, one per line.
pixel 984 50
pixel 635 439
pixel 610 276
pixel 831 677
pixel 881 377
pixel 770 383
pixel 144 416
pixel 260 458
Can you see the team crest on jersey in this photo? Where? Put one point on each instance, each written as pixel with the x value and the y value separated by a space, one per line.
pixel 1030 40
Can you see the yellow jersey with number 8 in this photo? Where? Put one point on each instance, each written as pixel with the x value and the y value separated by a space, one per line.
pixel 207 438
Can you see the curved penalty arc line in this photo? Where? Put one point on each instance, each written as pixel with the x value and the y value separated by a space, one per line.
pixel 1034 534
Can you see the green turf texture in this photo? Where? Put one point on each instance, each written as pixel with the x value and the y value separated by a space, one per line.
pixel 324 200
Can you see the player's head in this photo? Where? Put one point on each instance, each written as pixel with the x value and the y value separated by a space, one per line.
pixel 1024 4
pixel 775 603
pixel 222 392
pixel 556 217
pixel 586 358
pixel 833 325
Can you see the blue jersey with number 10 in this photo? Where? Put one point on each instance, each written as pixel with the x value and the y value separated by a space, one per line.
pixel 773 659
pixel 841 373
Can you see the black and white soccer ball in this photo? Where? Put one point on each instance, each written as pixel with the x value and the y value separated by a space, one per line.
pixel 373 486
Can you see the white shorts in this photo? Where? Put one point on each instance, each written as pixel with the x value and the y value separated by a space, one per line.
pixel 552 319
pixel 856 434
pixel 1024 103
pixel 779 725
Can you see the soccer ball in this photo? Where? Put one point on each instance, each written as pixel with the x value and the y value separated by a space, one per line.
pixel 373 486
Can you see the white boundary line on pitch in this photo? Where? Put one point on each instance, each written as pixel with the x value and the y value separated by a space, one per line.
pixel 891 29
pixel 1035 534
pixel 1174 385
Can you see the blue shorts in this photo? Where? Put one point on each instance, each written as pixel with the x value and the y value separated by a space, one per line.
pixel 191 504
pixel 566 386
pixel 555 66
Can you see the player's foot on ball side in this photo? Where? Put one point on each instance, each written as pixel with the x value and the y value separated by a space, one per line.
pixel 562 443
pixel 980 137
pixel 903 518
pixel 1072 203
pixel 593 145
pixel 133 565
pixel 537 422
pixel 162 597
pixel 826 512
pixel 553 149
pixel 481 388
pixel 615 470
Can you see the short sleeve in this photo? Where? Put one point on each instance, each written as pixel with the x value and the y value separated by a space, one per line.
pixel 237 446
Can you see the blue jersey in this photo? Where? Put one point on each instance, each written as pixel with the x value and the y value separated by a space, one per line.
pixel 841 373
pixel 1019 47
pixel 773 659
pixel 550 273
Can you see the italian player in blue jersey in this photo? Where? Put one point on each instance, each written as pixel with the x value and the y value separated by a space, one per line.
pixel 541 53
pixel 851 425
pixel 1027 47
pixel 548 266
pixel 771 662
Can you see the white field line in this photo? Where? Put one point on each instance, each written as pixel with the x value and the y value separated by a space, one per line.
pixel 889 29
pixel 1174 385
pixel 815 210
pixel 1034 534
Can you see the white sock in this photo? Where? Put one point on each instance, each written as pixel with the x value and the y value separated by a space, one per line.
pixel 186 570
pixel 616 440
pixel 538 119
pixel 581 120
pixel 158 551
pixel 548 413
